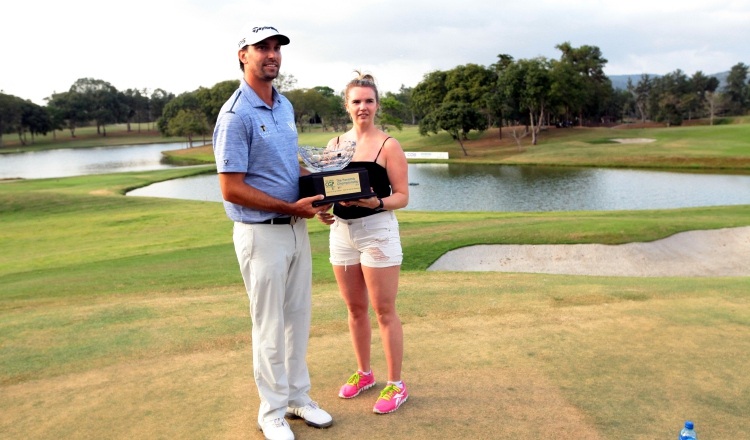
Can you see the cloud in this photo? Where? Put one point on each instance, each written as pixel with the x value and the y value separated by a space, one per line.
pixel 180 45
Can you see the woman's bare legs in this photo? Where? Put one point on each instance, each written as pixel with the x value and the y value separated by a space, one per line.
pixel 382 284
pixel 352 286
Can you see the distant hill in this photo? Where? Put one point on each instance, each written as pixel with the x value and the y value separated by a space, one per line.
pixel 621 81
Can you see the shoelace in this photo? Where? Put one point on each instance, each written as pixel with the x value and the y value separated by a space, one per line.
pixel 389 391
pixel 278 423
pixel 354 380
pixel 313 405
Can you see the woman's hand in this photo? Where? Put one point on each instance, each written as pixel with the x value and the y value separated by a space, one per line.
pixel 370 202
pixel 326 218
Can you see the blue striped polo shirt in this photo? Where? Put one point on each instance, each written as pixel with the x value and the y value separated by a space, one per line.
pixel 252 138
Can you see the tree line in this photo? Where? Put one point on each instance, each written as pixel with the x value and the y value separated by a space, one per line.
pixel 88 101
pixel 321 105
pixel 97 102
pixel 675 97
pixel 529 93
pixel 572 90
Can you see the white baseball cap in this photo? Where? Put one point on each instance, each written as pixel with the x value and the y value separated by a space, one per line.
pixel 255 32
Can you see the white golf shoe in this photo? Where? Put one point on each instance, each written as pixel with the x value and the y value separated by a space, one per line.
pixel 312 414
pixel 276 429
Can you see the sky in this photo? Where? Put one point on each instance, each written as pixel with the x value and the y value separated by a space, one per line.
pixel 181 45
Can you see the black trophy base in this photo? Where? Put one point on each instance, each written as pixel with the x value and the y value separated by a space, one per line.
pixel 336 186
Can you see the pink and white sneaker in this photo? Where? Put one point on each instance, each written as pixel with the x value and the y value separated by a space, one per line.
pixel 356 384
pixel 391 398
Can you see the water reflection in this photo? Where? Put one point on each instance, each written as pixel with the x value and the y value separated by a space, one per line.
pixel 80 161
pixel 456 187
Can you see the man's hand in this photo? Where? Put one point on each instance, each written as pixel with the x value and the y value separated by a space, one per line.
pixel 304 208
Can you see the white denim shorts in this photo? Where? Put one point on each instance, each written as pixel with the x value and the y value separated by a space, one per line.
pixel 372 241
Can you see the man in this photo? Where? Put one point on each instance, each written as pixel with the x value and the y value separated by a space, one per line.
pixel 255 144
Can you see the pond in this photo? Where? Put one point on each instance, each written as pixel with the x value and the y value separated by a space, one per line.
pixel 437 187
pixel 457 187
pixel 79 161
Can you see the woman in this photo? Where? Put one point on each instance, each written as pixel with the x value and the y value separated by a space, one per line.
pixel 366 248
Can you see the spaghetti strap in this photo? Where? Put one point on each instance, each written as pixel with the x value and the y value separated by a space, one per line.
pixel 337 139
pixel 381 148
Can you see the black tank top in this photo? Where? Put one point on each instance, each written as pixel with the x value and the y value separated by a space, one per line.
pixel 378 181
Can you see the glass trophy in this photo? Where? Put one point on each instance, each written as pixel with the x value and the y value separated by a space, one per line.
pixel 328 176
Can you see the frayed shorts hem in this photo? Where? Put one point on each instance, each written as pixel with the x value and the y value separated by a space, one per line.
pixel 371 241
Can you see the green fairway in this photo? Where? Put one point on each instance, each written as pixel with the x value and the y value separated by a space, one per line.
pixel 126 317
pixel 720 146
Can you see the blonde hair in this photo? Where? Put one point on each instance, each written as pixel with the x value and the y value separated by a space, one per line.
pixel 363 80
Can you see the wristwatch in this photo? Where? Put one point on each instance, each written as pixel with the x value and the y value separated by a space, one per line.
pixel 380 207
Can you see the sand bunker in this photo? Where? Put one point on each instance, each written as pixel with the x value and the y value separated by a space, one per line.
pixel 713 253
pixel 634 140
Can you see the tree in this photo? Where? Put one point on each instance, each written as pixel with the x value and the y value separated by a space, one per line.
pixel 10 114
pixel 284 82
pixel 671 97
pixel 454 100
pixel 330 108
pixel 159 99
pixel 457 118
pixel 568 90
pixel 325 91
pixel 528 83
pixel 22 116
pixel 307 103
pixel 641 94
pixel 137 106
pixel 188 123
pixel 620 104
pixel 471 84
pixel 108 109
pixel 185 101
pixel 73 107
pixel 104 103
pixel 713 102
pixel 57 119
pixel 35 120
pixel 131 98
pixel 143 108
pixel 316 105
pixel 695 98
pixel 596 87
pixel 498 101
pixel 337 115
pixel 429 94
pixel 143 113
pixel 404 97
pixel 208 101
pixel 211 100
pixel 297 98
pixel 736 89
pixel 390 108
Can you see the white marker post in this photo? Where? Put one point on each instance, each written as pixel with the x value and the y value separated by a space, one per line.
pixel 425 155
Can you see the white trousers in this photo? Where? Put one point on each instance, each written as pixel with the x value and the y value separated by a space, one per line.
pixel 276 266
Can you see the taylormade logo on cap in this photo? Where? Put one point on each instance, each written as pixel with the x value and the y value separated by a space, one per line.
pixel 256 29
pixel 256 32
